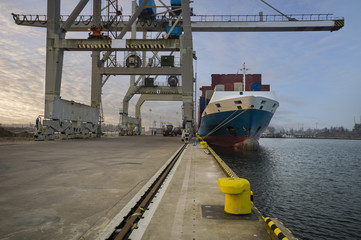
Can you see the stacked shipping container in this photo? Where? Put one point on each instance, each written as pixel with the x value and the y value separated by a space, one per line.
pixel 231 82
pixel 253 82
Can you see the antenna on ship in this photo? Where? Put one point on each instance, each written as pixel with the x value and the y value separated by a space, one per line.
pixel 244 69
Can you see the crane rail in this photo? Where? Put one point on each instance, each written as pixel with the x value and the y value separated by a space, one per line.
pixel 130 221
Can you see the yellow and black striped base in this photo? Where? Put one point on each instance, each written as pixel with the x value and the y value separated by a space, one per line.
pixel 275 229
pixel 145 46
pixel 94 45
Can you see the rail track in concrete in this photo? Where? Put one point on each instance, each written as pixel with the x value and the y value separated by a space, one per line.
pixel 129 223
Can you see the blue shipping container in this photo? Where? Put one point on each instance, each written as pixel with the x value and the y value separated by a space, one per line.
pixel 150 3
pixel 175 2
pixel 202 104
pixel 175 31
pixel 256 87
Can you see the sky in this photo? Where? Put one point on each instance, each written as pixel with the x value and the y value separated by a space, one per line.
pixel 316 75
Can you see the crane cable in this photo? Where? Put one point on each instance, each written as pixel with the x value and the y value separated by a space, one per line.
pixel 289 18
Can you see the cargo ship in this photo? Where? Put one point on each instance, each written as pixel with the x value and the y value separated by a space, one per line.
pixel 235 110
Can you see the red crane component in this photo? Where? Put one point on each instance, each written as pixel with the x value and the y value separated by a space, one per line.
pixel 96 33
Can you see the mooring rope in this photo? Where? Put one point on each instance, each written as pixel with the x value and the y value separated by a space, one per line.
pixel 223 124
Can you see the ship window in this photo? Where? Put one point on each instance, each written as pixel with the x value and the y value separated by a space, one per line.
pixel 274 105
pixel 261 107
pixel 239 107
pixel 252 106
pixel 238 102
pixel 263 102
pixel 218 105
pixel 240 93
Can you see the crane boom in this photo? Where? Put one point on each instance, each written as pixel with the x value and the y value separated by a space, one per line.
pixel 207 23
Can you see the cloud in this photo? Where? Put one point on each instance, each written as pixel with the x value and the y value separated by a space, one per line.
pixel 22 70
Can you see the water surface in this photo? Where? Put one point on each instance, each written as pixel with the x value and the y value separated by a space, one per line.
pixel 312 185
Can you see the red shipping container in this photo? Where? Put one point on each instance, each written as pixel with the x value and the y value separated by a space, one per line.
pixel 252 78
pixel 232 78
pixel 204 89
pixel 265 87
pixel 225 78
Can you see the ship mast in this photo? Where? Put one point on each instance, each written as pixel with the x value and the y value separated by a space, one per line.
pixel 244 69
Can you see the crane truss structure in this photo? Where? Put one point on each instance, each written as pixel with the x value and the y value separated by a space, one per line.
pixel 72 119
pixel 205 23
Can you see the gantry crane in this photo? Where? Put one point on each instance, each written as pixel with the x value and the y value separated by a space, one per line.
pixel 79 120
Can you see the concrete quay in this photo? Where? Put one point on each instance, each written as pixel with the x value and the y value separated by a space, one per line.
pixel 82 189
pixel 68 189
pixel 191 206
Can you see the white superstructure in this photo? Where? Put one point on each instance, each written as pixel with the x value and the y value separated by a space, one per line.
pixel 223 101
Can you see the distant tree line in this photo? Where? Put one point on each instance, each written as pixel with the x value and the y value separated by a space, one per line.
pixel 332 132
pixel 340 132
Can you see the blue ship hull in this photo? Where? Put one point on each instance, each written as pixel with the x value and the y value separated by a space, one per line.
pixel 232 128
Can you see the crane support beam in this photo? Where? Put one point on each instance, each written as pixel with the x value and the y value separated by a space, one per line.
pixel 211 23
pixel 154 97
pixel 187 70
pixel 77 10
pixel 119 45
pixel 54 58
pixel 267 26
pixel 162 90
pixel 152 44
pixel 140 71
pixel 96 78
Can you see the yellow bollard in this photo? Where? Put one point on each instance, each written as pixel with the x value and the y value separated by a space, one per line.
pixel 203 144
pixel 238 195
